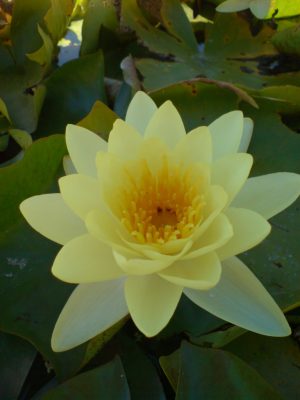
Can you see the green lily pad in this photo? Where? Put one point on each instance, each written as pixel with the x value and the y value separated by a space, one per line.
pixel 213 374
pixel 147 383
pixel 230 52
pixel 276 359
pixel 99 120
pixel 98 15
pixel 105 382
pixel 287 41
pixel 27 14
pixel 71 92
pixel 23 94
pixel 43 55
pixel 16 358
pixel 57 18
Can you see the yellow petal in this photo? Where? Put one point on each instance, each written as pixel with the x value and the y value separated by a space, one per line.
pixel 260 8
pixel 90 310
pixel 270 194
pixel 153 150
pixel 103 225
pixel 50 216
pixel 249 229
pixel 83 146
pixel 195 147
pixel 155 253
pixel 84 260
pixel 112 176
pixel 247 135
pixel 233 5
pixel 140 111
pixel 231 172
pixel 198 273
pixel 226 133
pixel 136 265
pixel 81 193
pixel 216 200
pixel 151 302
pixel 218 233
pixel 241 299
pixel 124 141
pixel 166 124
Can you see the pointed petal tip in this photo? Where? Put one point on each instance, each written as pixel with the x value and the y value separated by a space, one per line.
pixel 284 330
pixel 58 347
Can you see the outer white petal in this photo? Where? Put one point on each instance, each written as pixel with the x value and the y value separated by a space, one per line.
pixel 226 133
pixel 241 299
pixel 166 124
pixel 198 273
pixel 151 302
pixel 50 216
pixel 260 8
pixel 231 172
pixel 233 5
pixel 81 193
pixel 140 111
pixel 90 310
pixel 270 194
pixel 249 229
pixel 85 260
pixel 83 146
pixel 247 135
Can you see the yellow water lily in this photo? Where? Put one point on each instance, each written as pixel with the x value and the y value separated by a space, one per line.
pixel 260 8
pixel 155 213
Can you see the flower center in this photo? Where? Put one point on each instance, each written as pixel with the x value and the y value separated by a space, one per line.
pixel 165 206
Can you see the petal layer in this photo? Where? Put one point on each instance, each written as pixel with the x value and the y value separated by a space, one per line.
pixel 198 273
pixel 151 302
pixel 139 265
pixel 50 216
pixel 106 228
pixel 90 310
pixel 140 111
pixel 83 146
pixel 166 124
pixel 247 135
pixel 195 147
pixel 249 229
pixel 85 260
pixel 218 233
pixel 124 141
pixel 81 193
pixel 270 194
pixel 231 172
pixel 226 133
pixel 241 299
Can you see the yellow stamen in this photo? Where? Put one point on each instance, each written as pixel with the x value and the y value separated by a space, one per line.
pixel 168 206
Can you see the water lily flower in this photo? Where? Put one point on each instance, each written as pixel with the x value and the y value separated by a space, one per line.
pixel 155 213
pixel 260 8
